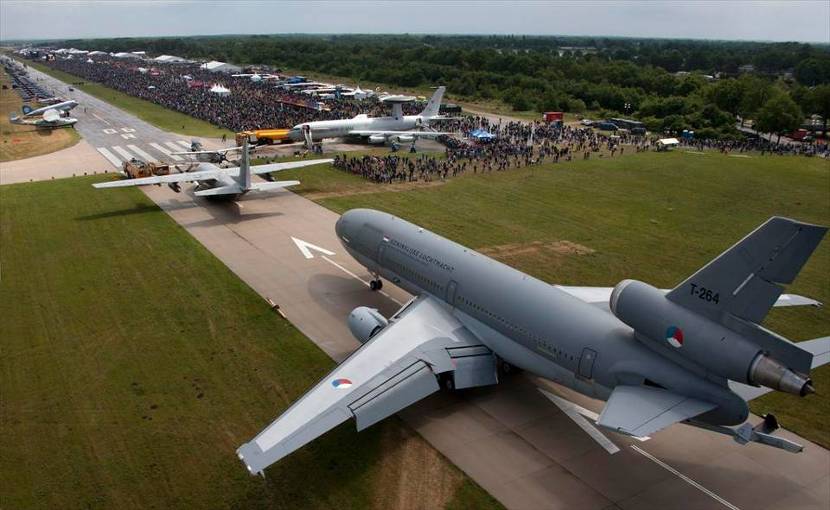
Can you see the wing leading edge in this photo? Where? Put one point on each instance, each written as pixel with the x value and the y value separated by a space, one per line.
pixel 391 371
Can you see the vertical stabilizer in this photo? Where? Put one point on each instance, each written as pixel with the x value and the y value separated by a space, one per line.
pixel 245 167
pixel 434 103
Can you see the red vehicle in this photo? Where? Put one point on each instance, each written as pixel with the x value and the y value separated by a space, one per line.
pixel 553 117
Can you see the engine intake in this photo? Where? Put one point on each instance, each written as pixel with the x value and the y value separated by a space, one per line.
pixel 677 331
pixel 365 322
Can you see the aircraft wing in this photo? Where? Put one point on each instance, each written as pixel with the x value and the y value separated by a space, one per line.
pixel 423 134
pixel 601 296
pixel 641 410
pixel 277 167
pixel 394 369
pixel 217 151
pixel 200 175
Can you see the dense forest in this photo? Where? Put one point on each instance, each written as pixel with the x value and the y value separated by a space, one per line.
pixel 669 84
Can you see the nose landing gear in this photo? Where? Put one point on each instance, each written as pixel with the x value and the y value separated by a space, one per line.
pixel 376 284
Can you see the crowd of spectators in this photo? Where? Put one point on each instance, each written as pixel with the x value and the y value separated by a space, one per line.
pixel 758 144
pixel 186 89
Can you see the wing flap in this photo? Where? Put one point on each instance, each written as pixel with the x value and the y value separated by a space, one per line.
pixel 266 186
pixel 402 390
pixel 642 410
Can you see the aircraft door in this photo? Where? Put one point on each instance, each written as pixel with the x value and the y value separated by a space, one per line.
pixel 586 363
pixel 452 289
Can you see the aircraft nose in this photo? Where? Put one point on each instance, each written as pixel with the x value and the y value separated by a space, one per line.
pixel 349 223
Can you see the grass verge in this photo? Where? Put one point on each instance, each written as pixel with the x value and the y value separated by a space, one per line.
pixel 134 363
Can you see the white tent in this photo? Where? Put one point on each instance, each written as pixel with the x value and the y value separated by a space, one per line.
pixel 124 54
pixel 665 144
pixel 220 90
pixel 220 67
pixel 96 52
pixel 169 59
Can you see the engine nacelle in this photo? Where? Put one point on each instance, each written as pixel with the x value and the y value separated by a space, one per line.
pixel 404 138
pixel 716 348
pixel 377 139
pixel 365 322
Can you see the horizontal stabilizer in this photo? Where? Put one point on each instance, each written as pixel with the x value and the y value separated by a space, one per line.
pixel 288 165
pixel 231 189
pixel 643 410
pixel 602 295
pixel 266 186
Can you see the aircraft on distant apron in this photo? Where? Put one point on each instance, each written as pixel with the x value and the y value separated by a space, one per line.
pixel 694 354
pixel 396 128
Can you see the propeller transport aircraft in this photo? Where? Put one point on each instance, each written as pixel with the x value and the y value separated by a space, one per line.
pixel 396 128
pixel 694 354
pixel 221 183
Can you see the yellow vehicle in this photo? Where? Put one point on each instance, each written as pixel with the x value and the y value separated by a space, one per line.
pixel 263 137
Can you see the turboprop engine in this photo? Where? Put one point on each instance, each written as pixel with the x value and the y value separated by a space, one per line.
pixel 365 322
pixel 377 139
pixel 671 327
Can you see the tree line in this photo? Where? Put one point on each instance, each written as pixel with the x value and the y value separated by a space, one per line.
pixel 669 84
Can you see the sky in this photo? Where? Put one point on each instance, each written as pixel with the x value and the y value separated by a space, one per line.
pixel 773 20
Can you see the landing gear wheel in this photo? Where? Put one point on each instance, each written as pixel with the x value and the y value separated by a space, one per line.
pixel 376 284
pixel 448 382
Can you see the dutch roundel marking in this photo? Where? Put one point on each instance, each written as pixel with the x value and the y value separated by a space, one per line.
pixel 674 336
pixel 341 384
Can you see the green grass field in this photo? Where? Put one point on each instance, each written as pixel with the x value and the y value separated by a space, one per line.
pixel 157 115
pixel 653 217
pixel 134 363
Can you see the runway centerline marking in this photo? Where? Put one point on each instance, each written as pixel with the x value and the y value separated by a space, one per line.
pixel 683 477
pixel 364 282
pixel 101 119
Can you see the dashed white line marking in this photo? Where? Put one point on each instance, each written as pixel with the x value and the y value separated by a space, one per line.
pixel 127 136
pixel 184 144
pixel 109 131
pixel 102 120
pixel 173 146
pixel 143 154
pixel 123 152
pixel 683 477
pixel 110 156
pixel 165 151
pixel 128 130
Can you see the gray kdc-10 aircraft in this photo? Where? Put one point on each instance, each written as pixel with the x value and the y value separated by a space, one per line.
pixel 694 354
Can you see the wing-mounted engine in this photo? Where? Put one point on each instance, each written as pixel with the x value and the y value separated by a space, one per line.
pixel 377 139
pixel 365 322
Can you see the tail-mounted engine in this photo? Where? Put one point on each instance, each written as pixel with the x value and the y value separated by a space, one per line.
pixel 674 329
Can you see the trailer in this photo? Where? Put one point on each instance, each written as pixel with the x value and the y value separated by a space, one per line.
pixel 263 137
pixel 136 168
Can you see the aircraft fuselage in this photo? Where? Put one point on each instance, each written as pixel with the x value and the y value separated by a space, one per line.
pixel 526 322
pixel 341 128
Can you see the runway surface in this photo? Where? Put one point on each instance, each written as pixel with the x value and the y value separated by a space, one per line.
pixel 509 438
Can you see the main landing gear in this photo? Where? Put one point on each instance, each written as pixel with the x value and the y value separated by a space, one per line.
pixel 376 284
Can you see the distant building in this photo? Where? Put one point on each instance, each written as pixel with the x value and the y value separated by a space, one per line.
pixel 220 67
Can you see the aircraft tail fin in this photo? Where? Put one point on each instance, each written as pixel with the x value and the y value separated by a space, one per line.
pixel 245 168
pixel 744 281
pixel 434 103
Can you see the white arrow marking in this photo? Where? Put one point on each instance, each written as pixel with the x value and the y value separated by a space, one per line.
pixel 306 247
